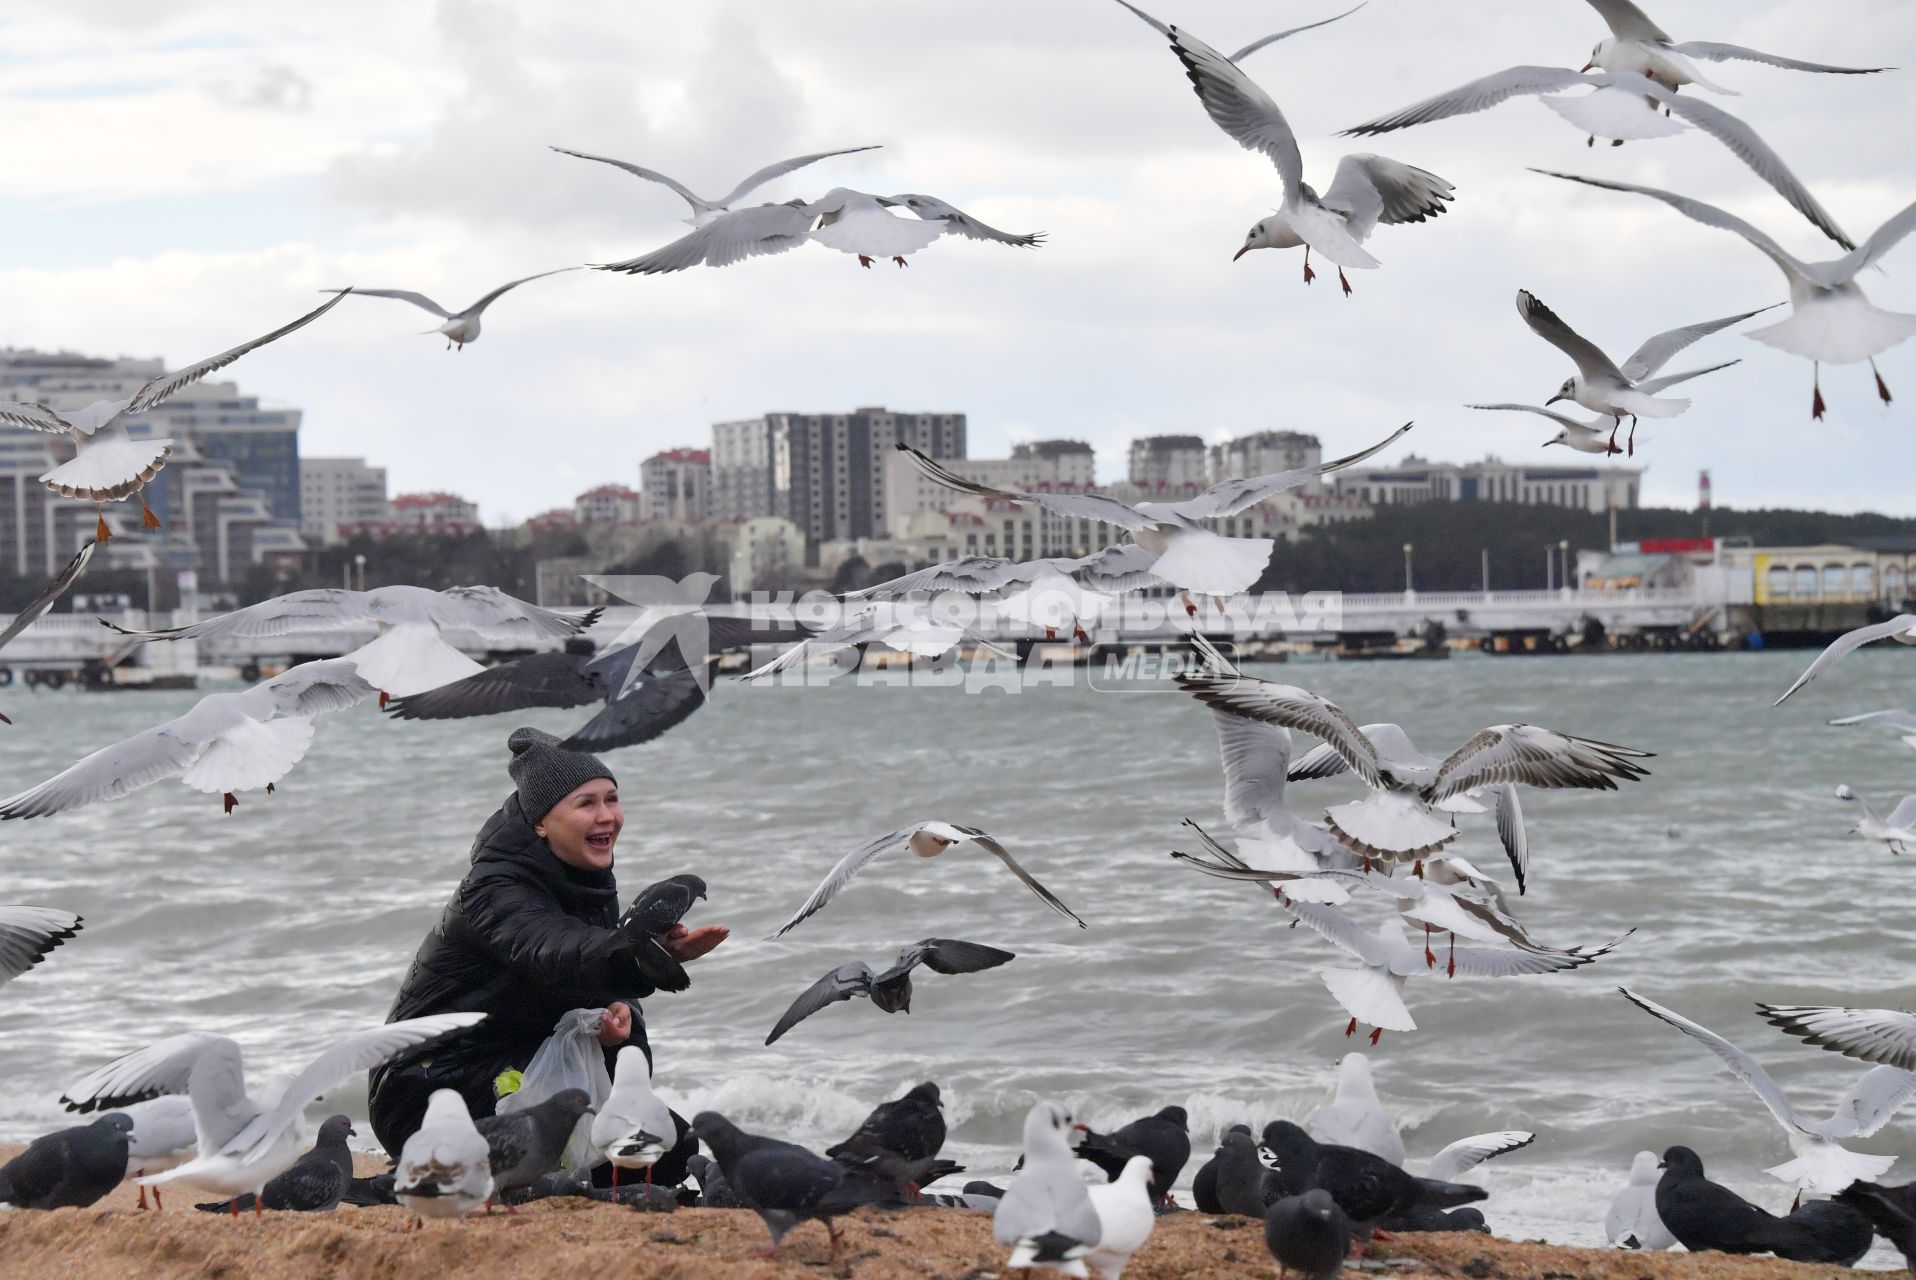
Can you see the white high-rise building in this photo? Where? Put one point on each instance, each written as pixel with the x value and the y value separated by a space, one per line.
pixel 338 496
pixel 676 484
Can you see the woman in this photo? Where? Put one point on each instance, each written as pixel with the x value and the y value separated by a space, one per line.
pixel 529 934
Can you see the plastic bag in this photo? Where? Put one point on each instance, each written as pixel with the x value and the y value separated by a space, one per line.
pixel 570 1058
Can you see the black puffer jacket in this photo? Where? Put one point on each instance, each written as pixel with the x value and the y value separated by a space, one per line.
pixel 524 939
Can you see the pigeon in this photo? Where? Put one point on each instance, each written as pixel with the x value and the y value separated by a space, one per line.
pixel 890 991
pixel 1450 1164
pixel 1897 832
pixel 1892 1210
pixel 70 1169
pixel 27 934
pixel 633 1128
pixel 654 913
pixel 410 654
pixel 1308 1234
pixel 1163 1138
pixel 460 327
pixel 1822 1166
pixel 1873 1035
pixel 705 211
pixel 46 599
pixel 164 1137
pixel 244 1142
pixel 1354 1118
pixel 784 1184
pixel 1901 629
pixel 1204 1183
pixel 714 1191
pixel 316 1183
pixel 1125 1218
pixel 1632 1221
pixel 227 743
pixel 927 840
pixel 365 1193
pixel 1239 1177
pixel 1706 1215
pixel 1367 1188
pixel 911 1127
pixel 445 1168
pixel 109 464
pixel 525 1145
pixel 1046 1214
pixel 1835 1232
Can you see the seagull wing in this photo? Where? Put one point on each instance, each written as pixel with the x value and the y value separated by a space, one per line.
pixel 111 772
pixel 1887 237
pixel 1466 1154
pixel 490 609
pixel 1537 758
pixel 1741 1064
pixel 958 222
pixel 1546 324
pixel 1902 720
pixel 1662 383
pixel 1903 816
pixel 1657 351
pixel 1229 497
pixel 842 983
pixel 841 875
pixel 1869 1104
pixel 1079 506
pixel 1123 566
pixel 728 238
pixel 1503 962
pixel 770 171
pixel 330 684
pixel 1369 189
pixel 1874 1035
pixel 1511 832
pixel 1341 931
pixel 650 175
pixel 34 417
pixel 28 933
pixel 1321 761
pixel 998 851
pixel 1255 754
pixel 54 590
pixel 167 1066
pixel 1627 22
pixel 1714 51
pixel 536 680
pixel 1289 706
pixel 973 575
pixel 1848 642
pixel 1255 45
pixel 419 300
pixel 320 609
pixel 1561 419
pixel 489 298
pixel 158 389
pixel 1477 95
pixel 1708 214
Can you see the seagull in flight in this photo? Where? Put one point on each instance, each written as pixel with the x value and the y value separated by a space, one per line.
pixel 1897 831
pixel 460 327
pixel 45 600
pixel 705 211
pixel 1901 629
pixel 1599 384
pixel 1901 721
pixel 1871 1035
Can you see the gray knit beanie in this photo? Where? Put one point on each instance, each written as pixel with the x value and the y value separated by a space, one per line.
pixel 545 772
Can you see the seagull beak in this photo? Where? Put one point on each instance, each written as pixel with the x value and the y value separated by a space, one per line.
pixel 1548 443
pixel 1553 399
pixel 1240 253
pixel 1586 66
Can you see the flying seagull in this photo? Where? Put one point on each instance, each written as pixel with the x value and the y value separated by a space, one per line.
pixel 705 211
pixel 1873 1035
pixel 1897 831
pixel 1599 384
pixel 890 990
pixel 45 600
pixel 28 933
pixel 1901 629
pixel 460 327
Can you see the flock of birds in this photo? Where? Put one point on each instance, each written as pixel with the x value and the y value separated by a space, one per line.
pixel 182 1110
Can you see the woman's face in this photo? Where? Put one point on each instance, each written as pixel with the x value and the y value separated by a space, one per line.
pixel 583 827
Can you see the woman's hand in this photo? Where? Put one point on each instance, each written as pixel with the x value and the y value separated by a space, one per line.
pixel 616 1026
pixel 684 944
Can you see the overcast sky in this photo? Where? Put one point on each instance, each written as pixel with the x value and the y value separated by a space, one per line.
pixel 179 181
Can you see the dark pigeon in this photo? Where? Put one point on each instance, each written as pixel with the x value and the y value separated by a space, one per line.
pixel 1368 1188
pixel 1164 1139
pixel 1707 1215
pixel 1892 1210
pixel 1827 1231
pixel 1308 1235
pixel 714 1191
pixel 654 913
pixel 1419 1220
pixel 890 990
pixel 912 1127
pixel 316 1183
pixel 1204 1184
pixel 1239 1176
pixel 526 1145
pixel 69 1169
pixel 367 1192
pixel 783 1183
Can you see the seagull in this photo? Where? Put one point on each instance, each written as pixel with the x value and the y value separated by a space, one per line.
pixel 734 236
pixel 926 839
pixel 1354 1118
pixel 1636 44
pixel 1632 1221
pixel 1396 820
pixel 1050 592
pixel 461 327
pixel 1823 1166
pixel 164 1137
pixel 227 743
pixel 706 211
pixel 856 222
pixel 1898 830
pixel 1873 1035
pixel 1366 189
pixel 1046 1214
pixel 109 463
pixel 952 220
pixel 1598 384
pixel 45 600
pixel 1831 321
pixel 246 1142
pixel 444 1168
pixel 1188 555
pixel 906 628
pixel 1901 721
pixel 633 1128
pixel 1373 994
pixel 1901 629
pixel 1593 436
pixel 890 991
pixel 410 654
pixel 28 933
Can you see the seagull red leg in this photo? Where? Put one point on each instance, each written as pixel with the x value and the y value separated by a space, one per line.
pixel 1309 275
pixel 1376 1034
pixel 1882 388
pixel 1816 396
pixel 1350 1030
pixel 864 260
pixel 1341 280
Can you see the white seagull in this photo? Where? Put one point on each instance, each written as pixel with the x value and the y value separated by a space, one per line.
pixel 633 1128
pixel 703 210
pixel 164 1137
pixel 245 1142
pixel 1054 593
pixel 1187 554
pixel 1901 721
pixel 410 654
pixel 1897 831
pixel 445 1167
pixel 1365 190
pixel 28 933
pixel 727 238
pixel 954 221
pixel 1354 1117
pixel 901 626
pixel 926 840
pixel 227 743
pixel 46 599
pixel 1638 45
pixel 1632 1222
pixel 1598 384
pixel 1823 1166
pixel 1872 1035
pixel 1831 321
pixel 1901 629
pixel 1046 1214
pixel 110 464
pixel 460 327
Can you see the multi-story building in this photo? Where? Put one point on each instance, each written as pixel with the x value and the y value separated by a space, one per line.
pixel 434 514
pixel 1168 464
pixel 677 484
pixel 340 493
pixel 1582 488
pixel 741 487
pixel 1264 453
pixel 608 504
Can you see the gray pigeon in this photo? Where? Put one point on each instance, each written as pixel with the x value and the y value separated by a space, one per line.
pixel 1241 1177
pixel 714 1191
pixel 1308 1234
pixel 526 1145
pixel 783 1183
pixel 315 1184
pixel 69 1169
pixel 890 990
pixel 1204 1183
pixel 654 913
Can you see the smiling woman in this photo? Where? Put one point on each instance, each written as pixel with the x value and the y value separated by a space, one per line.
pixel 531 933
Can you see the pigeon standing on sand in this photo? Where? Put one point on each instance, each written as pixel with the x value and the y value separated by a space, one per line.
pixel 714 1191
pixel 1354 1118
pixel 1204 1182
pixel 526 1145
pixel 912 1127
pixel 1164 1138
pixel 634 1128
pixel 1125 1217
pixel 316 1182
pixel 1046 1214
pixel 1308 1235
pixel 783 1183
pixel 1366 1187
pixel 163 1138
pixel 445 1167
pixel 1706 1215
pixel 1892 1210
pixel 69 1169
pixel 1632 1222
pixel 1240 1176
